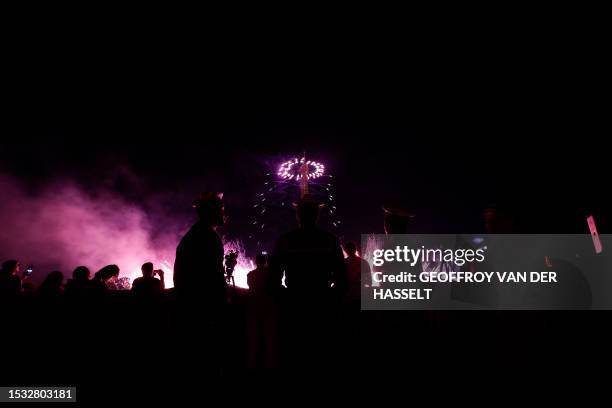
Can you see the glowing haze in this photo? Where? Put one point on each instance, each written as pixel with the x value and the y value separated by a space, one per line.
pixel 62 226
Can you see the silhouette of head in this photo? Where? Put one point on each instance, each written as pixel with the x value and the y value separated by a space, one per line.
pixel 307 210
pixel 350 248
pixel 10 267
pixel 209 207
pixel 261 260
pixel 53 281
pixel 107 273
pixel 81 273
pixel 147 269
pixel 396 219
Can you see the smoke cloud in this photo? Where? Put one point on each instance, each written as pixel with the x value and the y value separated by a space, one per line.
pixel 62 225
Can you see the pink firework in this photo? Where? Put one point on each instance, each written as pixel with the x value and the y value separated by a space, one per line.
pixel 296 169
pixel 273 212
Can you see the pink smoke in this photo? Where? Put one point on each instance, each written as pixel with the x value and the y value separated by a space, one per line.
pixel 62 226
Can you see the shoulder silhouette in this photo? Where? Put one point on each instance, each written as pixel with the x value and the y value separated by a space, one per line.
pixel 148 284
pixel 310 258
pixel 198 269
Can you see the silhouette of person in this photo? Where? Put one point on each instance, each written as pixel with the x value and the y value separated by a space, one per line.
pixel 147 284
pixel 49 298
pixel 200 287
pixel 257 278
pixel 102 280
pixel 51 288
pixel 403 327
pixel 10 283
pixel 79 286
pixel 397 218
pixel 312 262
pixel 261 317
pixel 198 269
pixel 111 277
pixel 310 258
pixel 358 270
pixel 496 220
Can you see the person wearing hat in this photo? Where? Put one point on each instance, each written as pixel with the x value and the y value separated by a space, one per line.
pixel 200 288
pixel 397 218
pixel 310 258
pixel 312 262
pixel 407 328
pixel 198 269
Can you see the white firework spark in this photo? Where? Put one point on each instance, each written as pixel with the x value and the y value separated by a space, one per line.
pixel 272 209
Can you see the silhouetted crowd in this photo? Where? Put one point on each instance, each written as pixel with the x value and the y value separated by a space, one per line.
pixel 296 297
pixel 81 285
pixel 302 309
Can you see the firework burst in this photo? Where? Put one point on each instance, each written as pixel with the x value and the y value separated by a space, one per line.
pixel 297 169
pixel 284 184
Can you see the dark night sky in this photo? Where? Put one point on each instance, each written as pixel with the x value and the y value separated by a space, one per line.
pixel 443 138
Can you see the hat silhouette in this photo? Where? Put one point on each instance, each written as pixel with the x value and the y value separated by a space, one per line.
pixel 308 200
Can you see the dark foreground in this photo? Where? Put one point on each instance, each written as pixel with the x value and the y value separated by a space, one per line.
pixel 121 347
